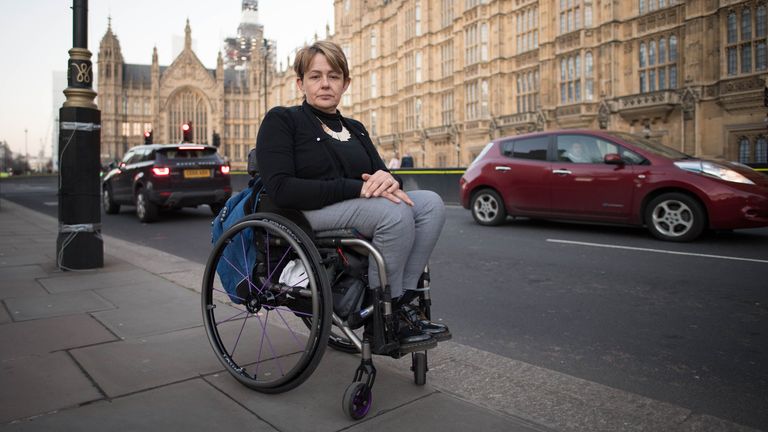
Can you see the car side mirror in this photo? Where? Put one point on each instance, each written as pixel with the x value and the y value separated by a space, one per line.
pixel 613 159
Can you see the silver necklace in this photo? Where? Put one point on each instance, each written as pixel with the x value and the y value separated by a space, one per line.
pixel 342 135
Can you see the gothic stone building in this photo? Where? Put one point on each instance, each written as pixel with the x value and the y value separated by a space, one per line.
pixel 137 98
pixel 439 78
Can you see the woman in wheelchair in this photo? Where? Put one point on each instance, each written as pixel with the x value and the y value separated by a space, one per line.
pixel 313 159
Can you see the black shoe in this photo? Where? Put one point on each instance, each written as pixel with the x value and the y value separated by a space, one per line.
pixel 412 338
pixel 438 331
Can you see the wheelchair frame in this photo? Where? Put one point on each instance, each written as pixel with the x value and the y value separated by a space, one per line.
pixel 264 294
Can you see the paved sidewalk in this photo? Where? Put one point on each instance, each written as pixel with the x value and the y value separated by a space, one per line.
pixel 123 348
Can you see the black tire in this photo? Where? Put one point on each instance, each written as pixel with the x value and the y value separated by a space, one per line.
pixel 259 340
pixel 216 208
pixel 357 400
pixel 145 210
pixel 419 366
pixel 675 217
pixel 110 207
pixel 337 339
pixel 488 208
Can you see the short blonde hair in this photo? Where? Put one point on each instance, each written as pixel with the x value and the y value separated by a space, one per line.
pixel 332 52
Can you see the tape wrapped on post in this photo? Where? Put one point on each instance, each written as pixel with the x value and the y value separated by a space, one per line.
pixel 80 126
pixel 78 228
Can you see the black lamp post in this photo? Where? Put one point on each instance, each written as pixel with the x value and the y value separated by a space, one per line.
pixel 79 244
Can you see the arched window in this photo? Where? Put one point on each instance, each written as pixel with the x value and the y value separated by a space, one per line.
pixel 761 149
pixel 731 25
pixel 744 153
pixel 589 72
pixel 188 105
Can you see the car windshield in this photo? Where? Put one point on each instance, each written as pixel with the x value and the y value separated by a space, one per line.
pixel 653 147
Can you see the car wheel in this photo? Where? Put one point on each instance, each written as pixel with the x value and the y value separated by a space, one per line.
pixel 488 208
pixel 675 217
pixel 216 208
pixel 145 210
pixel 110 207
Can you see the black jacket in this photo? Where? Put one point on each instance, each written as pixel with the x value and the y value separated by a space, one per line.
pixel 298 164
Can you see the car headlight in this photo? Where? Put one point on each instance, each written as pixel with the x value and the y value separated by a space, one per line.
pixel 714 170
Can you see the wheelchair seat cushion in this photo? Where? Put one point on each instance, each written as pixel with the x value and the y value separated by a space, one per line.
pixel 340 233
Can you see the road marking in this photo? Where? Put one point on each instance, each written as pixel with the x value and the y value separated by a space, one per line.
pixel 657 251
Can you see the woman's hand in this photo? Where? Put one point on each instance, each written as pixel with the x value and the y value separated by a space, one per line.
pixel 383 184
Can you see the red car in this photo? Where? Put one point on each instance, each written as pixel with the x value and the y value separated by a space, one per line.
pixel 612 177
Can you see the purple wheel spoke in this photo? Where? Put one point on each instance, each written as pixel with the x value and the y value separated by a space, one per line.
pixel 245 260
pixel 237 340
pixel 232 317
pixel 293 333
pixel 234 267
pixel 278 263
pixel 269 342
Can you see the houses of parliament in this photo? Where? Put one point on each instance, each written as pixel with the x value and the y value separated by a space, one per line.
pixel 438 79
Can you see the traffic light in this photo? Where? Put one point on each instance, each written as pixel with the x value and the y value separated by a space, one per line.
pixel 216 139
pixel 148 137
pixel 186 131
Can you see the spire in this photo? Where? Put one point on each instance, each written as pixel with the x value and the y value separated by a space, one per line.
pixel 109 23
pixel 187 36
pixel 154 55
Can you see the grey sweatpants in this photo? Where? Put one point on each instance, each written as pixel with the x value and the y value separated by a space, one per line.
pixel 404 235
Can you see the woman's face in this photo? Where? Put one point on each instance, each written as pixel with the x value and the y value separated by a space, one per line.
pixel 322 85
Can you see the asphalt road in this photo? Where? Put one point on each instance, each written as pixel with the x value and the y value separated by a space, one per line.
pixel 681 323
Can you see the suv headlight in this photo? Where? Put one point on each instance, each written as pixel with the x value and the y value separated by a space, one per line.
pixel 714 170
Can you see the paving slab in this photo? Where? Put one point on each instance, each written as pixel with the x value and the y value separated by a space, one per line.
pixel 55 305
pixel 52 334
pixel 103 279
pixel 138 364
pixel 41 383
pixel 316 404
pixel 18 259
pixel 23 272
pixel 190 406
pixel 21 288
pixel 439 412
pixel 150 308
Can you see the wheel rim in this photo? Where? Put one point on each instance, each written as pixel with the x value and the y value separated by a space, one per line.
pixel 141 206
pixel 486 208
pixel 262 341
pixel 360 402
pixel 106 199
pixel 672 218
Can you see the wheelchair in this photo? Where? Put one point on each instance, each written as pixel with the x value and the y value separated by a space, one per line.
pixel 272 333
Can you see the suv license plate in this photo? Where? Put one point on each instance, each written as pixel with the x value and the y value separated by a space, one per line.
pixel 197 173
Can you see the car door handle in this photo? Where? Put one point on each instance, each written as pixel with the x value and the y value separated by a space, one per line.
pixel 561 172
pixel 503 168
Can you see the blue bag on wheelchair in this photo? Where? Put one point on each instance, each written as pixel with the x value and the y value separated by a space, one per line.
pixel 234 267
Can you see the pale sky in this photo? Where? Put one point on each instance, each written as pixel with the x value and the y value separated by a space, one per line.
pixel 37 34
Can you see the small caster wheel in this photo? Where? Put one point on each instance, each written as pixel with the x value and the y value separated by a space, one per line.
pixel 357 400
pixel 419 367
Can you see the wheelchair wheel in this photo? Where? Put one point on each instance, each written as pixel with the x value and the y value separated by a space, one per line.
pixel 337 339
pixel 357 400
pixel 257 331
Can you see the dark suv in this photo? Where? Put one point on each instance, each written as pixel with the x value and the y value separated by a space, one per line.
pixel 167 176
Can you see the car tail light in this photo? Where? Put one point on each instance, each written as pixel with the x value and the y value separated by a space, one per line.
pixel 225 169
pixel 161 171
